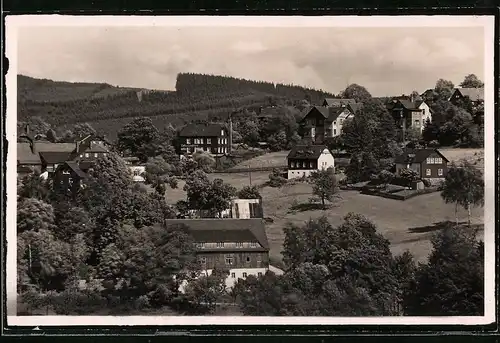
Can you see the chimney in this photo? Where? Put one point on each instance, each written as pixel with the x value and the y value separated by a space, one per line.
pixel 32 146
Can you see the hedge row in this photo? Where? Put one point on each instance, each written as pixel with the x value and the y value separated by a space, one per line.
pixel 409 193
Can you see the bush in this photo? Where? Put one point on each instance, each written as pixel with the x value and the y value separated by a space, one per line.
pixel 434 144
pixel 275 179
pixel 427 183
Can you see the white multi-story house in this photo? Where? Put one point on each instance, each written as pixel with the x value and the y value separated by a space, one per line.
pixel 410 114
pixel 304 159
pixel 321 122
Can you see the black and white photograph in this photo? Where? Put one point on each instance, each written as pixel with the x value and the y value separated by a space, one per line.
pixel 250 170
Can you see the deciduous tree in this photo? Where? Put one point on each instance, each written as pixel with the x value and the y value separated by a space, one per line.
pixel 451 283
pixel 471 81
pixel 464 186
pixel 324 184
pixel 249 192
pixel 34 215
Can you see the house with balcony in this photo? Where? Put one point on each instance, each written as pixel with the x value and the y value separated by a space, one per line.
pixel 410 114
pixel 211 138
pixel 240 245
pixel 304 159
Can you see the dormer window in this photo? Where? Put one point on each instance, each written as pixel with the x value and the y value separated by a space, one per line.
pixel 222 132
pixel 253 244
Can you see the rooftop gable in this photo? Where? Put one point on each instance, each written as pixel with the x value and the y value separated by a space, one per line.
pixel 201 130
pixel 306 151
pixel 417 155
pixel 225 230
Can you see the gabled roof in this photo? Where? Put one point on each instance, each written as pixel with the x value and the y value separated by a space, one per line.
pixel 335 112
pixel 201 130
pixel 225 230
pixel 336 102
pixel 419 155
pixel 355 107
pixel 76 169
pixel 308 152
pixel 325 111
pixel 52 157
pixel 26 156
pixel 475 94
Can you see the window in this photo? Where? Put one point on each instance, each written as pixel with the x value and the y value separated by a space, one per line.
pixel 201 245
pixel 229 260
pixel 417 123
pixel 259 258
pixel 310 164
pixel 253 244
pixel 244 275
pixel 203 260
pixel 439 160
pixel 259 274
pixel 233 275
pixel 87 154
pixel 220 245
pixel 209 140
pixel 222 132
pixel 427 172
pixel 188 140
pixel 239 244
pixel 95 155
pixel 292 164
pixel 81 155
pixel 248 259
pixel 423 111
pixel 440 172
pixel 334 132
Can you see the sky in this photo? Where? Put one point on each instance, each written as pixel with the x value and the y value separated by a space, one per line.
pixel 387 61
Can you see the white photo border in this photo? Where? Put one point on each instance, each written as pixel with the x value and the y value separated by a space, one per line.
pixel 13 23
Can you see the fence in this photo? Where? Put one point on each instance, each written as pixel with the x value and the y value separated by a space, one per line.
pixel 403 197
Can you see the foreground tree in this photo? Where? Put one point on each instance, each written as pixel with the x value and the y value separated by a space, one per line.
pixel 324 184
pixel 331 271
pixel 34 215
pixel 463 186
pixel 451 283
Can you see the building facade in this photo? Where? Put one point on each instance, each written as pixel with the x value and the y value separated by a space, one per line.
pixel 303 160
pixel 475 95
pixel 211 138
pixel 238 245
pixel 410 114
pixel 428 163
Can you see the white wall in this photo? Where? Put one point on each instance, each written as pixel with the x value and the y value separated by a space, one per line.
pixel 336 126
pixel 136 172
pixel 298 173
pixel 325 161
pixel 238 274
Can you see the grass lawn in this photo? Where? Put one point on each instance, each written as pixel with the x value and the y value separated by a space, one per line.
pixel 278 159
pixel 407 224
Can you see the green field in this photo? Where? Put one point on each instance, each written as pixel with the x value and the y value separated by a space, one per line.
pixel 407 224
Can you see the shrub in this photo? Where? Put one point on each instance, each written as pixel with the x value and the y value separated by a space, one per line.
pixel 275 179
pixel 427 183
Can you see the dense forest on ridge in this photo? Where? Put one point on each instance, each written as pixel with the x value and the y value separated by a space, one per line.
pixel 108 108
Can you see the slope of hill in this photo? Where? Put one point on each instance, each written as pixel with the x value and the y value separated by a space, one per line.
pixel 108 108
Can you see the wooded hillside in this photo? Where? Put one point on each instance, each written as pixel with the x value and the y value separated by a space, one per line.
pixel 108 108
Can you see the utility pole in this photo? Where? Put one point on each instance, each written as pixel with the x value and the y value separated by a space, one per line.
pixel 250 175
